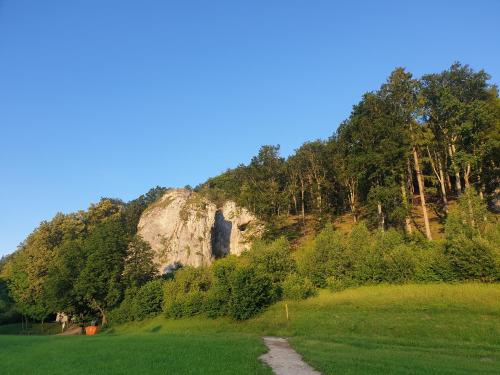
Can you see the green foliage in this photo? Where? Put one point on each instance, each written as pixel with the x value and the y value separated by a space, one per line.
pixel 473 259
pixel 336 284
pixel 140 303
pixel 328 257
pixel 251 292
pixel 341 261
pixel 272 258
pixel 139 266
pixel 99 282
pixel 230 287
pixel 185 294
pixel 296 287
pixel 8 312
pixel 448 122
pixel 61 294
pixel 471 240
pixel 434 265
pixel 218 296
pixel 469 218
pixel 149 300
pixel 27 271
pixel 126 311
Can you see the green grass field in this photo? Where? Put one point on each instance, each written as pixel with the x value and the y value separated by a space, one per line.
pixel 410 329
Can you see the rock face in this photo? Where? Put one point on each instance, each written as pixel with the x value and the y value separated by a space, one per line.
pixel 184 228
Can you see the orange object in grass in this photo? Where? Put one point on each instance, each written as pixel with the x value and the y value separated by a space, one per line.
pixel 91 330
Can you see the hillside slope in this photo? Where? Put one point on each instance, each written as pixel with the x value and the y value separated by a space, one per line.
pixel 406 329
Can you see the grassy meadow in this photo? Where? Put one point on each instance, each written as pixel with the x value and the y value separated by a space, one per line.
pixel 385 329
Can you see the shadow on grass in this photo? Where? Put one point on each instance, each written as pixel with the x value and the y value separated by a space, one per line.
pixel 155 329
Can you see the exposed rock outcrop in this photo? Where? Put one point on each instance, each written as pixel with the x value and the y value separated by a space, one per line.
pixel 183 227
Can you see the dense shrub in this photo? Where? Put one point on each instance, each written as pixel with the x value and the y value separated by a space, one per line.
pixel 251 292
pixel 273 259
pixel 323 259
pixel 140 303
pixel 217 302
pixel 296 287
pixel 184 295
pixel 470 218
pixel 433 265
pixel 148 300
pixel 399 264
pixel 340 261
pixel 186 304
pixel 473 259
pixel 472 240
pixel 124 312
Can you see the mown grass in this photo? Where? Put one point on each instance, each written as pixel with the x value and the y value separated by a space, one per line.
pixel 410 329
pixel 147 353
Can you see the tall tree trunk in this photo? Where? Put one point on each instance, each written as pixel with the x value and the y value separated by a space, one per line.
pixel 409 175
pixel 405 203
pixel 443 187
pixel 458 182
pixel 302 198
pixel 448 182
pixel 480 184
pixel 381 216
pixel 101 310
pixel 311 188
pixel 294 197
pixel 352 198
pixel 468 192
pixel 438 171
pixel 421 189
pixel 319 198
pixel 467 175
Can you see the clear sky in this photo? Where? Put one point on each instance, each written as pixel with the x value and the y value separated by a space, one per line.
pixel 110 98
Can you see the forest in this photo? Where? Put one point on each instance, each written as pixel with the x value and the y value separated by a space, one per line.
pixel 414 168
pixel 414 142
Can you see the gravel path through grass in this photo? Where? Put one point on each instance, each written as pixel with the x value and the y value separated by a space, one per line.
pixel 284 360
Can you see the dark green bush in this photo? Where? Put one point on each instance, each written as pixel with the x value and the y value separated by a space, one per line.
pixel 473 259
pixel 184 295
pixel 399 264
pixel 140 303
pixel 217 301
pixel 124 312
pixel 8 311
pixel 324 258
pixel 433 264
pixel 148 300
pixel 296 287
pixel 251 292
pixel 187 304
pixel 273 259
pixel 472 240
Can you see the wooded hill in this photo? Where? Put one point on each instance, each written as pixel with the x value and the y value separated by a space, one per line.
pixel 405 152
pixel 413 142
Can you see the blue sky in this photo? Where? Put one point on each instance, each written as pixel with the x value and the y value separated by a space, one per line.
pixel 110 98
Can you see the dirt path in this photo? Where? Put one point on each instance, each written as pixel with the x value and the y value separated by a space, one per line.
pixel 284 360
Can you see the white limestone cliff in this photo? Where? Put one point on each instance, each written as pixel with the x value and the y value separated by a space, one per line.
pixel 184 228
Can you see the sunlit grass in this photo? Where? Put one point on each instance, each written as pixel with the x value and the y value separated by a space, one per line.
pixel 384 329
